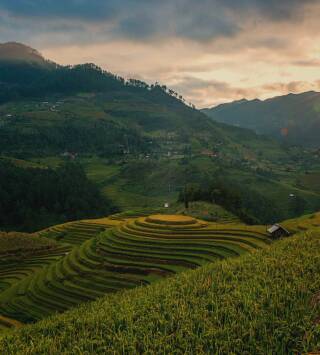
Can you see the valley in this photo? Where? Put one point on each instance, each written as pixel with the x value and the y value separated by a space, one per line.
pixel 142 145
pixel 132 222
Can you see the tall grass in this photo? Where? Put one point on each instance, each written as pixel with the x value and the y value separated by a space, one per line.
pixel 266 302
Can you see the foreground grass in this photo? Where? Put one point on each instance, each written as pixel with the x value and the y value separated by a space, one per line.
pixel 263 303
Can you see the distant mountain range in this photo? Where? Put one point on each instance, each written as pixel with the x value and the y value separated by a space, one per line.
pixel 294 118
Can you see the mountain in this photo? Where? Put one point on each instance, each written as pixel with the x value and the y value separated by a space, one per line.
pixel 141 144
pixel 294 118
pixel 79 142
pixel 18 52
pixel 82 108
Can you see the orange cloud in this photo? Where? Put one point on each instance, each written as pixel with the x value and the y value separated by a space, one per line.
pixel 217 52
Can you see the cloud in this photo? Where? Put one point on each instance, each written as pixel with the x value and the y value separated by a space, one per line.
pixel 293 87
pixel 200 20
pixel 307 63
pixel 211 51
pixel 208 93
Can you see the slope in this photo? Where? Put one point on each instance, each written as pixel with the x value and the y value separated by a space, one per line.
pixel 23 254
pixel 136 252
pixel 294 119
pixel 140 143
pixel 84 109
pixel 265 302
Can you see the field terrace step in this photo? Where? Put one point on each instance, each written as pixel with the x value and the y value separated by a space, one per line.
pixel 124 240
pixel 208 235
pixel 77 232
pixel 213 251
pixel 119 253
pixel 16 270
pixel 160 251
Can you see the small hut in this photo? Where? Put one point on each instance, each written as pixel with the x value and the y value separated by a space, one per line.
pixel 277 231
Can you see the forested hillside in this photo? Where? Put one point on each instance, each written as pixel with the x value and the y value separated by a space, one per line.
pixel 143 144
pixel 33 198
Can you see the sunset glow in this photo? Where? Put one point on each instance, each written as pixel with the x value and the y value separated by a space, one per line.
pixel 209 51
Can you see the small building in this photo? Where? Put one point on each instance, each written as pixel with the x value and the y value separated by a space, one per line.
pixel 277 231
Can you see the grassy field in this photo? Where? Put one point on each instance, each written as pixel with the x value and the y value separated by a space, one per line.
pixel 266 302
pixel 136 251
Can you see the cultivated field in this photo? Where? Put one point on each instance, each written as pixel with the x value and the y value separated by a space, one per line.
pixel 266 302
pixel 120 252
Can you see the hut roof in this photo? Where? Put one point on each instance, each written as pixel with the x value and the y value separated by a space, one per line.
pixel 277 227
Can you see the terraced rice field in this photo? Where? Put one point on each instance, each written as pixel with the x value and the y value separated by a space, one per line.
pixel 303 223
pixel 11 271
pixel 136 251
pixel 75 233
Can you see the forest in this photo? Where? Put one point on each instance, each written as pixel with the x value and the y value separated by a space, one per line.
pixel 33 198
pixel 249 205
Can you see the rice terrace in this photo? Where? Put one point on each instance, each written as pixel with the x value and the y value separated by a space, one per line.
pixel 96 258
pixel 85 260
pixel 159 177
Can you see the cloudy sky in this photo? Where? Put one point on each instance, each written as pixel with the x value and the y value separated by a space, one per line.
pixel 211 51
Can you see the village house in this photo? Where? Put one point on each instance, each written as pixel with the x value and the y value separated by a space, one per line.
pixel 277 231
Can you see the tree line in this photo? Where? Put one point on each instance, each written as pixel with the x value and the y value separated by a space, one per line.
pixel 30 80
pixel 33 198
pixel 249 205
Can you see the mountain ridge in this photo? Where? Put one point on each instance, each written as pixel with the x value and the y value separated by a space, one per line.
pixel 292 118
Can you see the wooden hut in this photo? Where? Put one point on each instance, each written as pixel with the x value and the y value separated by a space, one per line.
pixel 277 231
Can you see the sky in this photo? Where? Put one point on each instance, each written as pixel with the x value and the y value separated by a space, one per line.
pixel 210 51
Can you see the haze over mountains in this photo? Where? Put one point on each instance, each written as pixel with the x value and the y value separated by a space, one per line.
pixel 294 118
pixel 14 51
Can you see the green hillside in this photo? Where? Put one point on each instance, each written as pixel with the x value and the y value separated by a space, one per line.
pixel 265 186
pixel 263 302
pixel 141 144
pixel 293 119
